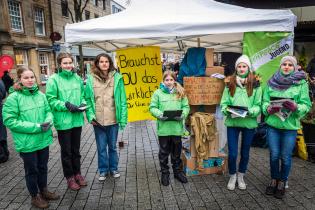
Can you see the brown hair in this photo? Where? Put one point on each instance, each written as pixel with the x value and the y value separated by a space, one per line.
pixel 20 70
pixel 250 81
pixel 180 90
pixel 96 69
pixel 62 56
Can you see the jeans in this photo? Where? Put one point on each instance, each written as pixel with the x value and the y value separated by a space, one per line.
pixel 35 166
pixel 170 145
pixel 69 141
pixel 281 145
pixel 106 140
pixel 233 136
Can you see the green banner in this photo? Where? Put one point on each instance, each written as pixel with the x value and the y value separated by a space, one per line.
pixel 265 50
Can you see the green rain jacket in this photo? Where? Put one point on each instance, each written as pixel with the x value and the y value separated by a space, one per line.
pixel 161 101
pixel 241 98
pixel 119 97
pixel 62 87
pixel 300 94
pixel 23 112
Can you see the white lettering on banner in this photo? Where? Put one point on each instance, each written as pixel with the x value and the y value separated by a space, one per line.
pixel 273 51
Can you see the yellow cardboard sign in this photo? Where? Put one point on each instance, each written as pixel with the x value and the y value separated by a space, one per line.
pixel 141 68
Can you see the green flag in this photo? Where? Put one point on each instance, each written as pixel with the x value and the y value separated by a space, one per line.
pixel 265 50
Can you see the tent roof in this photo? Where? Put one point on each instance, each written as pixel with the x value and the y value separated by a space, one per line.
pixel 176 24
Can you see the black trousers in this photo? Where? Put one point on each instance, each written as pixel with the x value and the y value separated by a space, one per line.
pixel 35 166
pixel 69 141
pixel 170 145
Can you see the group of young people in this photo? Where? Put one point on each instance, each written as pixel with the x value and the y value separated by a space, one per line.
pixel 30 115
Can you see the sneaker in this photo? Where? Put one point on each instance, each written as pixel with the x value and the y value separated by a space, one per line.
pixel 280 190
pixel 271 189
pixel 232 182
pixel 80 180
pixel 181 177
pixel 39 202
pixel 102 177
pixel 72 184
pixel 49 195
pixel 165 179
pixel 240 181
pixel 286 185
pixel 115 174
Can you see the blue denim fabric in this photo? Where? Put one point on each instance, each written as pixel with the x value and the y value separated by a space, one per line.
pixel 106 140
pixel 281 145
pixel 233 136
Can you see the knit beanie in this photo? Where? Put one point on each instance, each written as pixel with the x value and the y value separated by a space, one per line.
pixel 292 59
pixel 244 59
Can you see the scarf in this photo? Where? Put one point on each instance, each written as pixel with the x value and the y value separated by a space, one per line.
pixel 278 81
pixel 166 89
pixel 240 81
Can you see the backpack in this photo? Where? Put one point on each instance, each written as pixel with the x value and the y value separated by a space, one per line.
pixel 260 136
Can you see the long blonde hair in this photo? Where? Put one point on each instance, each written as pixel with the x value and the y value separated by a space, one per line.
pixel 180 91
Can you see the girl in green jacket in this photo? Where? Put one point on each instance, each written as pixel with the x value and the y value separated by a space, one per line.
pixel 283 118
pixel 170 96
pixel 65 94
pixel 242 91
pixel 106 98
pixel 27 114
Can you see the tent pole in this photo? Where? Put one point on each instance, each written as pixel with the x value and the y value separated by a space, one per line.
pixel 198 41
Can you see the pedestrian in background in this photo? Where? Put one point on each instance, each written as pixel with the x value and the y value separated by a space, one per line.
pixel 242 90
pixel 170 96
pixel 4 151
pixel 65 94
pixel 288 83
pixel 106 99
pixel 27 114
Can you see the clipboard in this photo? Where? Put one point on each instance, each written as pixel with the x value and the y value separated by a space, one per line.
pixel 238 107
pixel 171 114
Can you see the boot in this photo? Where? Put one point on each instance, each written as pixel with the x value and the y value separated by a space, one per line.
pixel 232 182
pixel 39 202
pixel 271 189
pixel 181 177
pixel 280 190
pixel 80 180
pixel 49 195
pixel 165 179
pixel 72 183
pixel 240 181
pixel 5 147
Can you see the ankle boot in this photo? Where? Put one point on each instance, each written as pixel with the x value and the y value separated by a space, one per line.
pixel 271 188
pixel 80 180
pixel 39 202
pixel 280 190
pixel 49 195
pixel 180 176
pixel 165 179
pixel 72 183
pixel 240 181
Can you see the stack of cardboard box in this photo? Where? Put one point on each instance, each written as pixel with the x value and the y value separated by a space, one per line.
pixel 204 93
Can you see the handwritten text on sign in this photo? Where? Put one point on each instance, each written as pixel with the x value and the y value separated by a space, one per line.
pixel 203 90
pixel 142 72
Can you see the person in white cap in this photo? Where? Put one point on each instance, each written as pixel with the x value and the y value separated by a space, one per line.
pixel 290 85
pixel 242 93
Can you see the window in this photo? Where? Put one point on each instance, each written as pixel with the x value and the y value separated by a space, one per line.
pixel 96 16
pixel 15 15
pixel 44 67
pixel 21 57
pixel 95 2
pixel 87 15
pixel 104 4
pixel 64 8
pixel 115 9
pixel 39 22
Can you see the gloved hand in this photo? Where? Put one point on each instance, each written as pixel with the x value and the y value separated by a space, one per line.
pixel 273 109
pixel 71 107
pixel 45 126
pixel 292 106
pixel 179 118
pixel 162 118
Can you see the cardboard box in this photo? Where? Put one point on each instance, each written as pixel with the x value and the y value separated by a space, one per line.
pixel 214 69
pixel 209 57
pixel 210 166
pixel 203 90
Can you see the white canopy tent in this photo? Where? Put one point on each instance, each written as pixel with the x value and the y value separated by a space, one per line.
pixel 176 25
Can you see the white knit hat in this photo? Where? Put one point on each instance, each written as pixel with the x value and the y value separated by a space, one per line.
pixel 292 59
pixel 244 59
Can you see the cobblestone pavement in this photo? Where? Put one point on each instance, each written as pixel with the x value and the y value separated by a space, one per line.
pixel 139 187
